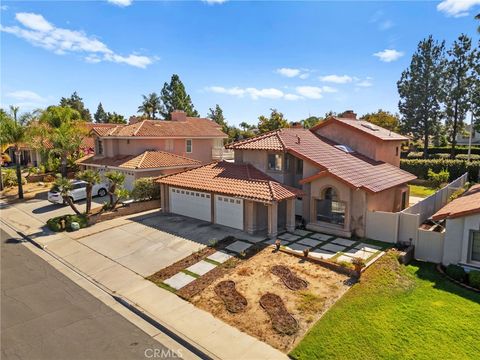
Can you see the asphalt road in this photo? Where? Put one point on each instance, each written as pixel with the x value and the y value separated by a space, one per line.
pixel 44 315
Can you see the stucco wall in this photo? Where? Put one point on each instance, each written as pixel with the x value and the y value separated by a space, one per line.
pixel 452 247
pixel 429 246
pixel 388 200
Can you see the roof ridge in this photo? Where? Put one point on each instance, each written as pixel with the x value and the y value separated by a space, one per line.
pixel 138 129
pixel 255 138
pixel 142 159
pixel 175 155
pixel 272 191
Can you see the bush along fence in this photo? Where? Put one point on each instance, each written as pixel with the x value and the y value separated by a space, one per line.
pixel 443 150
pixel 456 168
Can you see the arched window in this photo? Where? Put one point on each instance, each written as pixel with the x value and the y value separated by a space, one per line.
pixel 329 208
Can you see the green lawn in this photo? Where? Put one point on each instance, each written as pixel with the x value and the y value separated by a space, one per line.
pixel 398 312
pixel 421 191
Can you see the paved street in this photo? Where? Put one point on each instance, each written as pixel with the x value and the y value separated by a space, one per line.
pixel 47 316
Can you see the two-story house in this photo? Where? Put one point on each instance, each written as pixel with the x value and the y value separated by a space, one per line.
pixel 148 148
pixel 329 176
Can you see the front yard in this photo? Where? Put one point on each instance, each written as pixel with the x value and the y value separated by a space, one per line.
pixel 398 312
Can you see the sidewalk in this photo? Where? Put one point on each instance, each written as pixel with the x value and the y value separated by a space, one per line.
pixel 201 329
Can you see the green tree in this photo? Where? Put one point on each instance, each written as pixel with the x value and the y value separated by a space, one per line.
pixel 245 126
pixel 383 119
pixel 151 106
pixel 477 17
pixel 115 182
pixel 458 80
pixel 310 122
pixel 14 133
pixel 91 177
pixel 175 97
pixel 64 186
pixel 14 111
pixel 100 115
pixel 420 90
pixel 114 118
pixel 274 122
pixel 217 116
pixel 76 103
pixel 475 88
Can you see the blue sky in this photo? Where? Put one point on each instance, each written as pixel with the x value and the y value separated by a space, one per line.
pixel 303 58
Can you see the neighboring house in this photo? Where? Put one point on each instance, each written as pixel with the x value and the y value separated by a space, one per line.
pixel 463 136
pixel 164 146
pixel 340 179
pixel 461 242
pixel 235 195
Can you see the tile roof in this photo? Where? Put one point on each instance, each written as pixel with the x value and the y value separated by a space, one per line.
pixel 363 126
pixel 467 204
pixel 101 129
pixel 242 180
pixel 146 160
pixel 191 127
pixel 355 169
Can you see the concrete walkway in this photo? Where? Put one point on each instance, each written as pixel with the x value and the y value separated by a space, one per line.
pixel 201 329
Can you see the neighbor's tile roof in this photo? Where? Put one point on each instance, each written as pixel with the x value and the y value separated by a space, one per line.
pixel 191 127
pixel 363 126
pixel 146 160
pixel 101 129
pixel 467 204
pixel 242 180
pixel 355 169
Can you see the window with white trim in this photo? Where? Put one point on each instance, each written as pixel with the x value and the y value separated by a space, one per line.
pixel 188 145
pixel 475 245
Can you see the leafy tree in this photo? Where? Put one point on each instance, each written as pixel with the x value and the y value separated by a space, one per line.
pixel 217 116
pixel 329 114
pixel 475 88
pixel 114 118
pixel 274 122
pixel 91 177
pixel 76 103
pixel 458 80
pixel 477 17
pixel 115 182
pixel 383 119
pixel 175 97
pixel 151 106
pixel 64 186
pixel 310 122
pixel 100 115
pixel 14 133
pixel 420 89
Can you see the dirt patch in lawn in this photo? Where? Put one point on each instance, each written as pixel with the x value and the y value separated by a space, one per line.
pixel 292 281
pixel 234 301
pixel 253 278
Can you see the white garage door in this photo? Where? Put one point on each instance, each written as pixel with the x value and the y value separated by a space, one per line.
pixel 190 203
pixel 229 211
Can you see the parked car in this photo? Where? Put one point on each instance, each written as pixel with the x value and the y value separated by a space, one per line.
pixel 78 192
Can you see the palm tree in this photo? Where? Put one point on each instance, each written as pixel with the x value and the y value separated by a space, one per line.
pixel 15 134
pixel 115 181
pixel 91 177
pixel 151 105
pixel 14 111
pixel 64 186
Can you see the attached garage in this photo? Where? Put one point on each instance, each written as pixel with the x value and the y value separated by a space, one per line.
pixel 229 211
pixel 194 204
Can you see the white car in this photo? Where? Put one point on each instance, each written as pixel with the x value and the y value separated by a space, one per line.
pixel 78 192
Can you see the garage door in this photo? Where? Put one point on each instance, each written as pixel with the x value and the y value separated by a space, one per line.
pixel 229 211
pixel 191 203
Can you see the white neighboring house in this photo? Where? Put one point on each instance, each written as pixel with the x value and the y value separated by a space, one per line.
pixel 462 137
pixel 461 244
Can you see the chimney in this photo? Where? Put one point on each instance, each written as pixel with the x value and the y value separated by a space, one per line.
pixel 349 114
pixel 178 115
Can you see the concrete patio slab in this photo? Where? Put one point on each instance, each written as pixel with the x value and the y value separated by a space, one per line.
pixel 309 242
pixel 321 237
pixel 238 246
pixel 332 247
pixel 368 247
pixel 201 268
pixel 179 280
pixel 343 241
pixel 321 254
pixel 344 258
pixel 219 257
pixel 301 232
pixel 289 237
pixel 272 242
pixel 298 247
pixel 359 253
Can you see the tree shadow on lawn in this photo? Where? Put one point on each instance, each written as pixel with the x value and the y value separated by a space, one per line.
pixel 427 271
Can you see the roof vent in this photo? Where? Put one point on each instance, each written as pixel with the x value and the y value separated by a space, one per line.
pixel 345 148
pixel 298 139
pixel 370 126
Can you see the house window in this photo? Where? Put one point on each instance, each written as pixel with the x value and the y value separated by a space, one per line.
pixel 329 208
pixel 99 147
pixel 299 167
pixel 188 145
pixel 275 162
pixel 475 245
pixel 404 200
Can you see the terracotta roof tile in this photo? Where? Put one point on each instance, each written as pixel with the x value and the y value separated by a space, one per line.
pixel 242 180
pixel 465 205
pixel 355 169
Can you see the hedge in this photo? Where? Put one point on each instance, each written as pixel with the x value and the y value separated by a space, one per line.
pixel 474 278
pixel 54 224
pixel 456 168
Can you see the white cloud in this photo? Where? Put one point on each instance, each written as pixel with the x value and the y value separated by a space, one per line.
pixel 288 72
pixel 25 95
pixel 304 76
pixel 457 8
pixel 214 2
pixel 292 97
pixel 328 89
pixel 389 55
pixel 39 32
pixel 310 92
pixel 253 93
pixel 364 83
pixel 337 79
pixel 121 3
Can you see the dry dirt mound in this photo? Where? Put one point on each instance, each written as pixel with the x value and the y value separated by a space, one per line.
pixel 234 301
pixel 282 321
pixel 292 281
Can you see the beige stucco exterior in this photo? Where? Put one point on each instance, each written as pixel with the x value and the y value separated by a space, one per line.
pixel 456 245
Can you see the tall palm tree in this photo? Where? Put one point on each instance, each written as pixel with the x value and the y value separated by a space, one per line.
pixel 151 105
pixel 91 177
pixel 14 111
pixel 15 134
pixel 64 187
pixel 115 181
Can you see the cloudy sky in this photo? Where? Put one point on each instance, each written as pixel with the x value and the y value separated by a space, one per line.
pixel 303 58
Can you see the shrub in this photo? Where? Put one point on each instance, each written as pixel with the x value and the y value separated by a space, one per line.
pixel 456 272
pixel 457 193
pixel 456 168
pixel 146 189
pixel 54 224
pixel 458 150
pixel 10 178
pixel 474 278
pixel 437 179
pixel 48 178
pixel 415 155
pixel 473 157
pixel 33 170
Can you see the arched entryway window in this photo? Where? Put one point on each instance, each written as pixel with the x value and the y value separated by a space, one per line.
pixel 329 208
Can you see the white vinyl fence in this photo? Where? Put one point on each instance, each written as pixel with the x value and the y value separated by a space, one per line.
pixel 403 226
